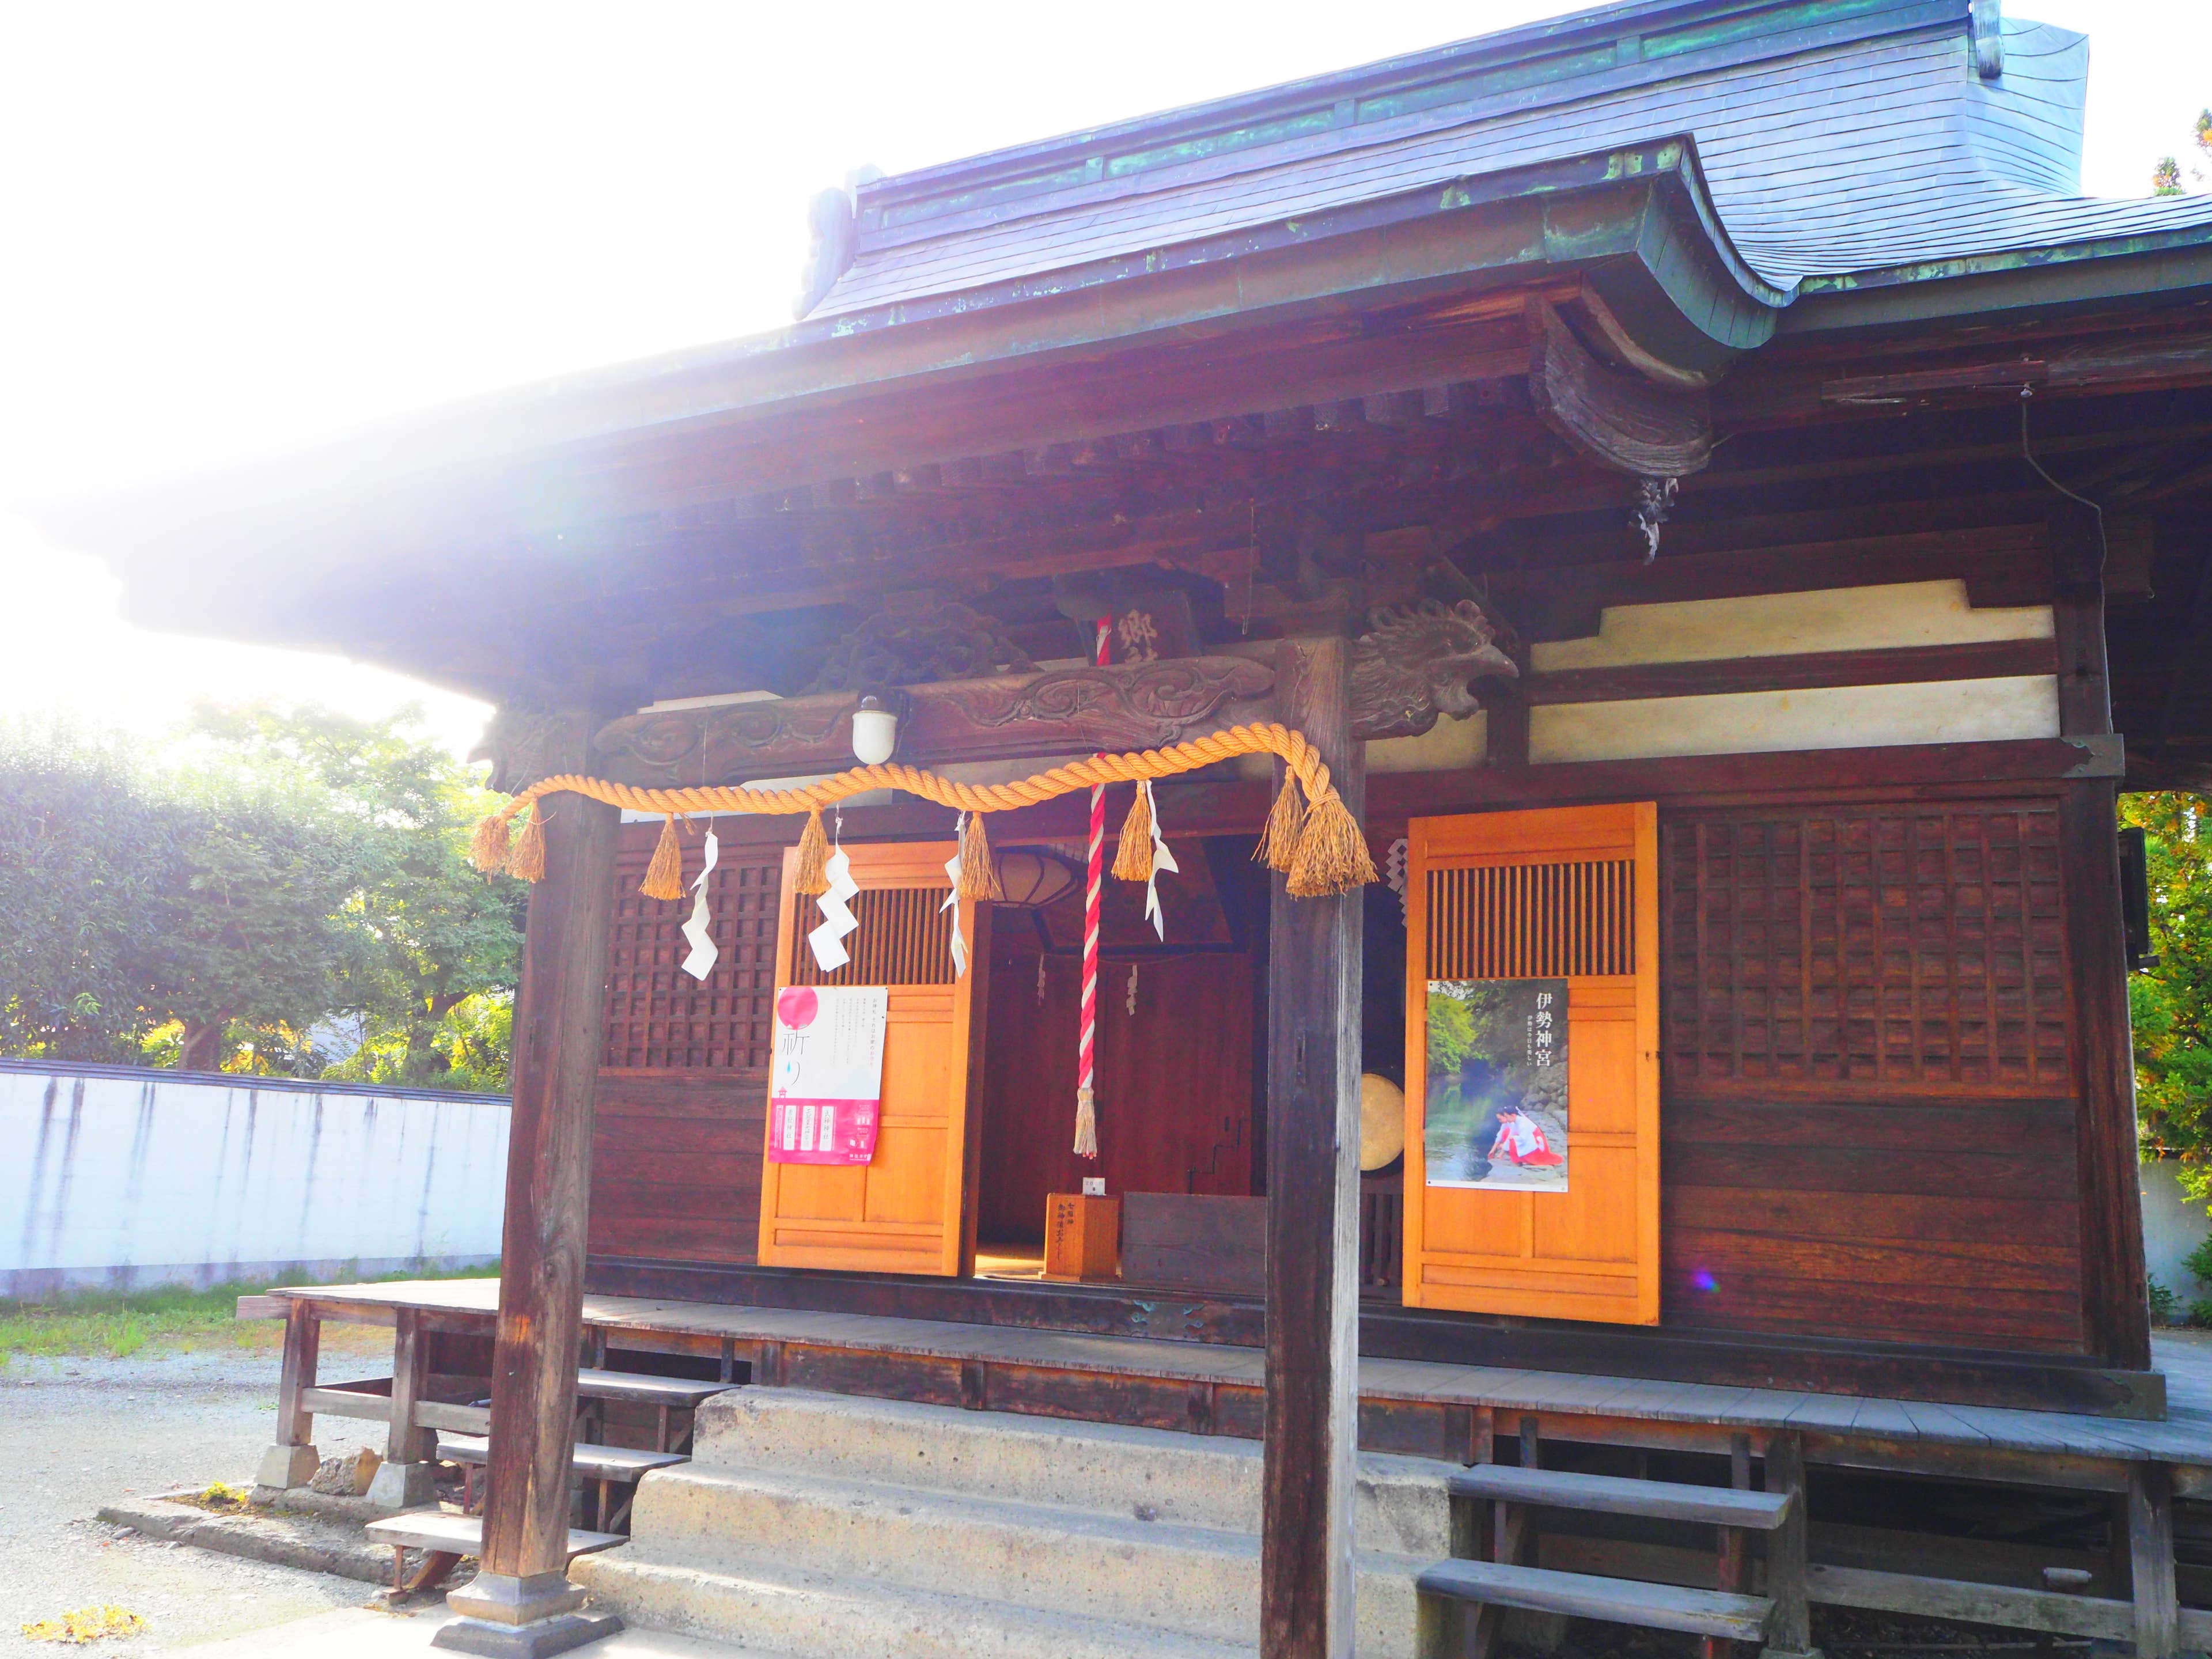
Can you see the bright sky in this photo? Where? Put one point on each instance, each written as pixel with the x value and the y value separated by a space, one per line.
pixel 231 227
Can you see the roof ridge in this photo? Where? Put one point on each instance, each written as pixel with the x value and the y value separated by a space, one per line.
pixel 1572 57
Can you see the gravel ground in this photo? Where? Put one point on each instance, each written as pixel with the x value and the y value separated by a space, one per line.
pixel 77 1432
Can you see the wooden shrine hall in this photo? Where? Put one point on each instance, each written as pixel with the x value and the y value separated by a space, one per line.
pixel 1697 496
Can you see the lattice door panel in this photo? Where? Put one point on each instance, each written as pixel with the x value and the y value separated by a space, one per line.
pixel 658 1018
pixel 1890 946
pixel 910 1209
pixel 1566 895
pixel 905 937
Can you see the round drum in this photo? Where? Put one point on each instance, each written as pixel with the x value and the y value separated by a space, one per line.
pixel 1381 1121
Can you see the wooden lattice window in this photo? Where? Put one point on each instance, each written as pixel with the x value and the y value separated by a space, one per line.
pixel 1533 921
pixel 1896 946
pixel 905 937
pixel 658 1018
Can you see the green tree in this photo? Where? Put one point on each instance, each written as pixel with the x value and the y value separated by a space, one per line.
pixel 75 908
pixel 277 869
pixel 430 934
pixel 2170 1004
pixel 137 899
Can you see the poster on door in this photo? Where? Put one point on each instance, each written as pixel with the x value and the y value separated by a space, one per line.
pixel 1497 1106
pixel 825 1089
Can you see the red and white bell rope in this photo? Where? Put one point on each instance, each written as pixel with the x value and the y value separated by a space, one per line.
pixel 1086 1099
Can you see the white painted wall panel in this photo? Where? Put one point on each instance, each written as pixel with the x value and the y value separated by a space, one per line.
pixel 154 1178
pixel 1824 717
pixel 1890 617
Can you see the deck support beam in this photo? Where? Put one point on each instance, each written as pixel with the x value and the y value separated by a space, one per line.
pixel 407 1476
pixel 293 1460
pixel 1313 1223
pixel 521 1603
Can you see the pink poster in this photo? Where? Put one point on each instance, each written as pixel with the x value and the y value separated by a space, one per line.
pixel 826 1090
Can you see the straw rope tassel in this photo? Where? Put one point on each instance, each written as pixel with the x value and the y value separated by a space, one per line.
pixel 1133 858
pixel 810 874
pixel 1087 1094
pixel 979 871
pixel 526 858
pixel 664 876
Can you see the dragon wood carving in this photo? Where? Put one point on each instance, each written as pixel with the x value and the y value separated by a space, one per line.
pixel 1417 661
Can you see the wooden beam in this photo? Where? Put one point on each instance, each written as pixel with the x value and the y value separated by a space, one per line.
pixel 521 1601
pixel 1306 1587
pixel 2116 1314
pixel 2051 1610
pixel 1803 671
pixel 1003 717
pixel 1623 422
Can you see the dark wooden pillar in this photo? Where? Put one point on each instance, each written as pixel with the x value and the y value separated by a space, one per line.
pixel 521 1601
pixel 2116 1312
pixel 1313 1212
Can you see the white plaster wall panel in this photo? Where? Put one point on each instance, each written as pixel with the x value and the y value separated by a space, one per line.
pixel 159 1179
pixel 1894 615
pixel 1828 717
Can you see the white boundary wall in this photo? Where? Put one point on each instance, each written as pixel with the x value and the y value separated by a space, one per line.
pixel 2172 1227
pixel 115 1178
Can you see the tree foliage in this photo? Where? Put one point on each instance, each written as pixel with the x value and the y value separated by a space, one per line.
pixel 270 879
pixel 2170 1004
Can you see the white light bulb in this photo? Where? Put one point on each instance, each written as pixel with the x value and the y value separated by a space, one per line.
pixel 875 734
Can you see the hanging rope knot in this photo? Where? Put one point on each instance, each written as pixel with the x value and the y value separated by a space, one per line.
pixel 1315 842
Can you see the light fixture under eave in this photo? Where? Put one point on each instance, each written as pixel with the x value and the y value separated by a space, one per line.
pixel 1032 879
pixel 875 730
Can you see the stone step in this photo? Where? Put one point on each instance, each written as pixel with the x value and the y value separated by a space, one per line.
pixel 1402 1506
pixel 1117 1569
pixel 813 1615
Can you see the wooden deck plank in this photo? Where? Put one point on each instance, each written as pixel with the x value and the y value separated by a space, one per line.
pixel 2186 1437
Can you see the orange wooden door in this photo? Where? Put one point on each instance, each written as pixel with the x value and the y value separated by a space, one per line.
pixel 1567 894
pixel 910 1209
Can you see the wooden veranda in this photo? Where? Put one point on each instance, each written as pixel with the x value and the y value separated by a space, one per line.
pixel 1471 1414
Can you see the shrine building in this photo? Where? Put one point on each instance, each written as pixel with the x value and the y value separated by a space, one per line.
pixel 1693 500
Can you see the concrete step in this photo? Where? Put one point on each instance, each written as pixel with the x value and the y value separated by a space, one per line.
pixel 1166 1576
pixel 1401 1506
pixel 815 1615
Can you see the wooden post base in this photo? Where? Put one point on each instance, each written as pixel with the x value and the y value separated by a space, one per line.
pixel 531 1641
pixel 522 1618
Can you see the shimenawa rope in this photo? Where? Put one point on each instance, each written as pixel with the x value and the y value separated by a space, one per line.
pixel 1317 844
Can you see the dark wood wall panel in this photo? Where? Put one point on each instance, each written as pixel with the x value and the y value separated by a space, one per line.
pixel 682 1102
pixel 1902 946
pixel 676 1165
pixel 1868 1111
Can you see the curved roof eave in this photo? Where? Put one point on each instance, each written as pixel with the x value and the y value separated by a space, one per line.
pixel 1637 222
pixel 2093 270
